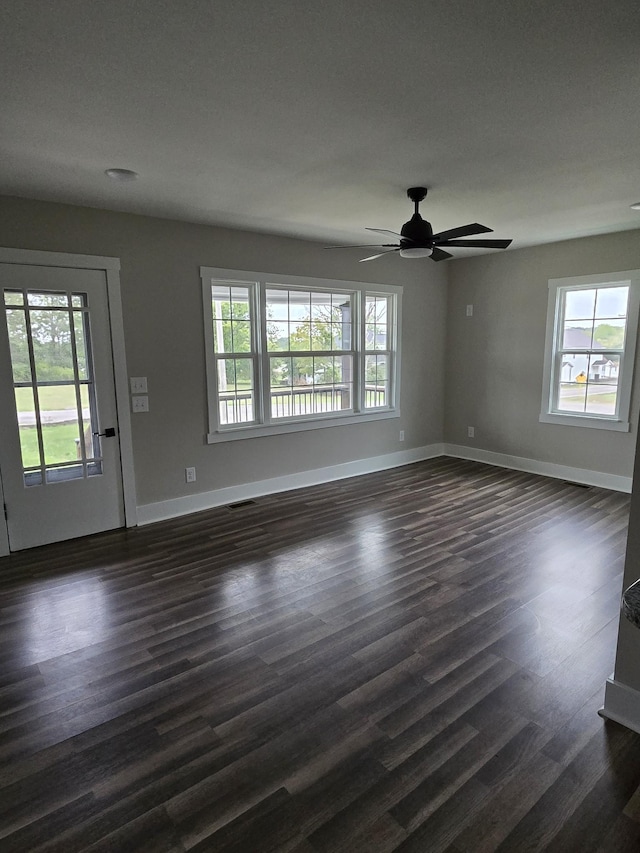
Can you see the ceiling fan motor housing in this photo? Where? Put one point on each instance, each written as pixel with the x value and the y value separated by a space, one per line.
pixel 418 231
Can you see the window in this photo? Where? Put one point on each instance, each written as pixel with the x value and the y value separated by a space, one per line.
pixel 287 353
pixel 52 366
pixel 591 338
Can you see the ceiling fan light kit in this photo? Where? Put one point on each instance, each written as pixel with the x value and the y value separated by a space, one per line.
pixel 416 253
pixel 417 239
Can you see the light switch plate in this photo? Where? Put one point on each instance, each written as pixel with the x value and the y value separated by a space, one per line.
pixel 138 384
pixel 140 404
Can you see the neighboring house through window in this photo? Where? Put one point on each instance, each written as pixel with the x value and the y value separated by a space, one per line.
pixel 289 353
pixel 591 339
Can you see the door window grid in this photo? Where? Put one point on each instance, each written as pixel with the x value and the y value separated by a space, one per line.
pixel 55 401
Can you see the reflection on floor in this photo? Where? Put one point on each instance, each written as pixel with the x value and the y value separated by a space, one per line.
pixel 410 660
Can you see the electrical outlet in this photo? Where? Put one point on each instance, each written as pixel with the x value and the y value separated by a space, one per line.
pixel 140 404
pixel 469 310
pixel 471 432
pixel 138 384
pixel 401 435
pixel 190 475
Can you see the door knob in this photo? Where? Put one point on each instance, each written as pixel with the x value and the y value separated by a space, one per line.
pixel 110 432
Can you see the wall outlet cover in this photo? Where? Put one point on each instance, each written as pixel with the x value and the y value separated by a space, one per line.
pixel 140 404
pixel 138 384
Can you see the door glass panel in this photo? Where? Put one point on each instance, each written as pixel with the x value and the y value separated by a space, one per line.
pixel 18 342
pixel 89 442
pixel 50 300
pixel 80 340
pixel 13 297
pixel 51 336
pixel 56 412
pixel 26 409
pixel 60 431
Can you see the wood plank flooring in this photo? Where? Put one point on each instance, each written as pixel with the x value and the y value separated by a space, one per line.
pixel 407 661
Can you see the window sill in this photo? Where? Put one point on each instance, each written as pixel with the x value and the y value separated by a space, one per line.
pixel 259 430
pixel 585 421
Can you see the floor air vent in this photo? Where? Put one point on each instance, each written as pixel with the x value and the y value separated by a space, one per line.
pixel 579 485
pixel 240 504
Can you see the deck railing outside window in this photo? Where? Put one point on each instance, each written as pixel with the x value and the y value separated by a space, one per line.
pixel 238 407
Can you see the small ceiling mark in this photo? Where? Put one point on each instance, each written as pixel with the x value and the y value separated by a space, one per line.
pixel 121 176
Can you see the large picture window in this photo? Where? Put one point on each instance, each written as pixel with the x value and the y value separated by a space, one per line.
pixel 591 337
pixel 285 353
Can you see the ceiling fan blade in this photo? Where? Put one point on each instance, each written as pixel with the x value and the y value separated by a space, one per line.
pixel 373 257
pixel 439 255
pixel 481 244
pixel 390 233
pixel 366 246
pixel 462 231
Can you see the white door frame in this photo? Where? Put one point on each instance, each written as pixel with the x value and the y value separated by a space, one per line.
pixel 111 268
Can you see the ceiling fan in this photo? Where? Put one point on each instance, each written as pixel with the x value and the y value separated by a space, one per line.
pixel 417 239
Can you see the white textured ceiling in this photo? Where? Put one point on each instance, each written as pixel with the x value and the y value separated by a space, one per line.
pixel 312 118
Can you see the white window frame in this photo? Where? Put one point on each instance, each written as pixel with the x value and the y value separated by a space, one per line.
pixel 263 425
pixel 555 321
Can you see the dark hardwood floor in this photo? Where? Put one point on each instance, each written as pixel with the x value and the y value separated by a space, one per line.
pixel 406 661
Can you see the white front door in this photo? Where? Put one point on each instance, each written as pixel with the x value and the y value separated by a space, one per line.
pixel 59 447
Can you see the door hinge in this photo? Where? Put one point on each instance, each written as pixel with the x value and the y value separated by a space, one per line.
pixel 6 515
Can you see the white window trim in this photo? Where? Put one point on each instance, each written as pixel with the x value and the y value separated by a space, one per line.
pixel 237 432
pixel 556 288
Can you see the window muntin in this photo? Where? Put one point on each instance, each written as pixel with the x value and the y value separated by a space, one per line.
pixel 593 324
pixel 50 347
pixel 311 332
pixel 234 346
pixel 377 344
pixel 590 349
pixel 284 352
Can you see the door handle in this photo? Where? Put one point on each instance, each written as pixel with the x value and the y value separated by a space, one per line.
pixel 110 432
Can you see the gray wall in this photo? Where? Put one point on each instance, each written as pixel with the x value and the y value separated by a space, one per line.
pixel 162 303
pixel 494 360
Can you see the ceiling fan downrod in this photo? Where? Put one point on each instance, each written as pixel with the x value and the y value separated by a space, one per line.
pixel 417 194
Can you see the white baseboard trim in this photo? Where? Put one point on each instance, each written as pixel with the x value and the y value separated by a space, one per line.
pixel 614 482
pixel 162 510
pixel 175 507
pixel 621 704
